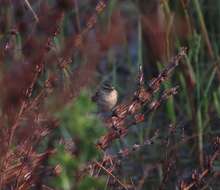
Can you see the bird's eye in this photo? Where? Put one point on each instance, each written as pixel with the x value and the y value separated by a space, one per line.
pixel 107 86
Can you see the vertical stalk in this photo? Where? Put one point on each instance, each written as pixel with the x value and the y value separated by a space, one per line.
pixel 203 28
pixel 200 137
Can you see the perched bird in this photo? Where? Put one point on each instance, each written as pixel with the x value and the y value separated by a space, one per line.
pixel 106 97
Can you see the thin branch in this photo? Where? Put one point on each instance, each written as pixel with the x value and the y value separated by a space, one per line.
pixel 109 173
pixel 31 9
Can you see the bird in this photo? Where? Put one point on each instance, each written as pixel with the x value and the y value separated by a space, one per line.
pixel 106 97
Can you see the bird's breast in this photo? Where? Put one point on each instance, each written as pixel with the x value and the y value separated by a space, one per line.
pixel 111 98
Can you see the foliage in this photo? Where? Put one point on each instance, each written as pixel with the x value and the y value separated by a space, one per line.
pixel 54 54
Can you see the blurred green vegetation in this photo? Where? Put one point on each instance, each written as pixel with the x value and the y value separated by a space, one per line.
pixel 78 124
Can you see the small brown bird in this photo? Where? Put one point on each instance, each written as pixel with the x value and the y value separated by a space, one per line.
pixel 106 97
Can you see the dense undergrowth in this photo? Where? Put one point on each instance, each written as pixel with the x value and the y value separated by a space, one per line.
pixel 55 53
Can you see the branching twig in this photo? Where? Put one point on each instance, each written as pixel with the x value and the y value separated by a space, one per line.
pixel 118 123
